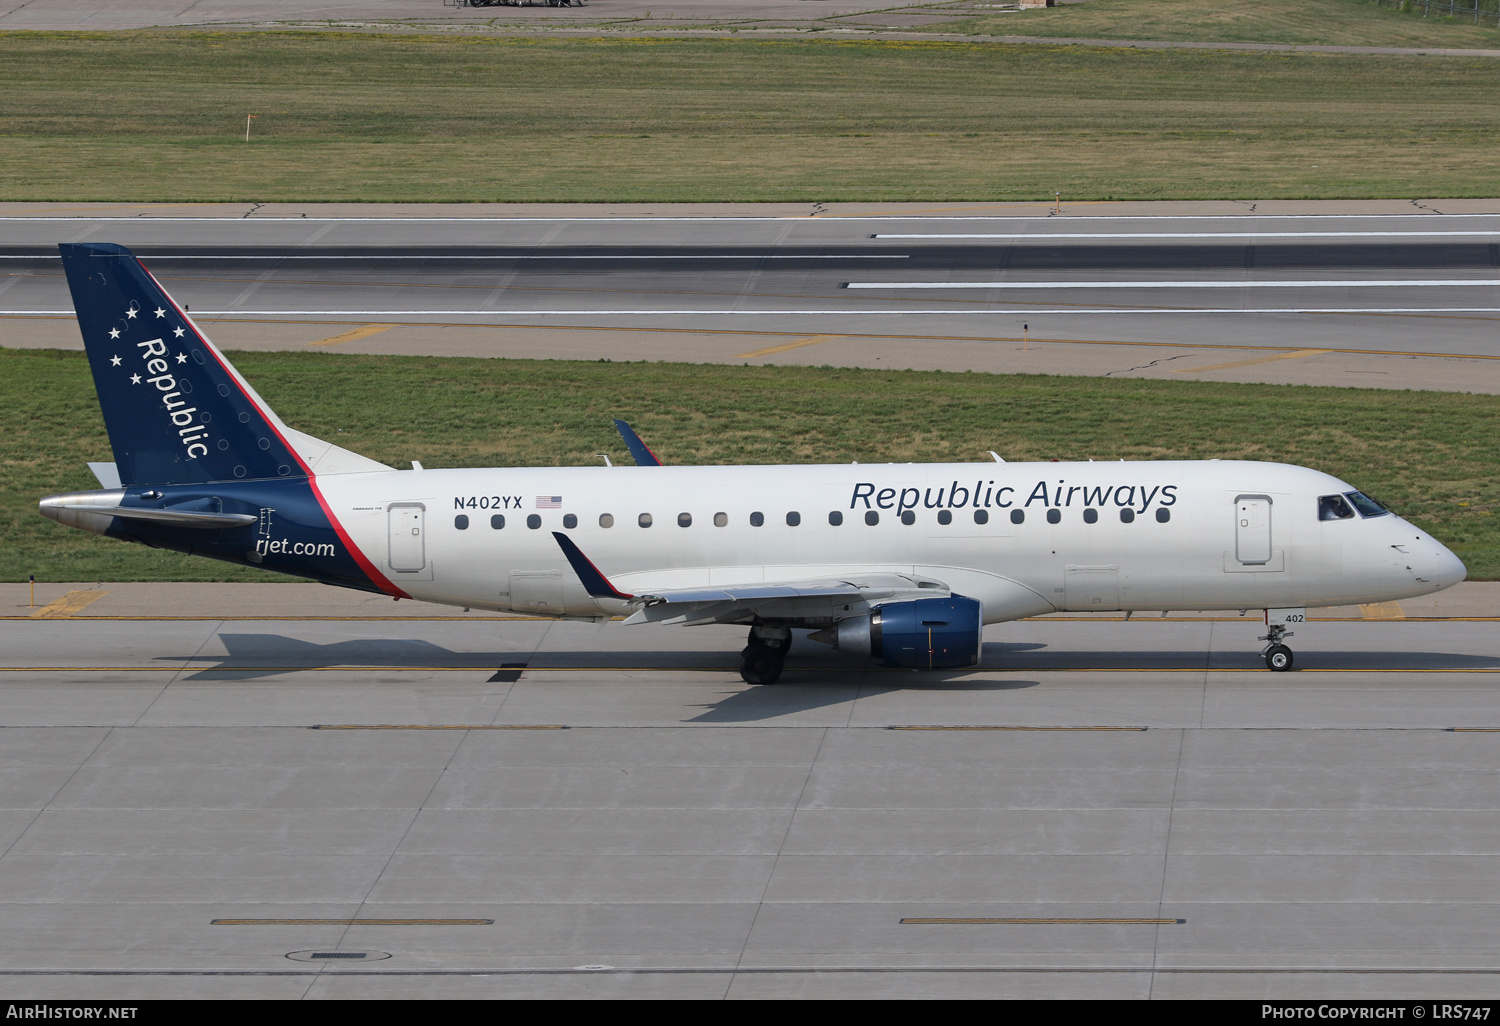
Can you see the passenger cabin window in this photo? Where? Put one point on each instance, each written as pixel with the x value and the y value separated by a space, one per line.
pixel 981 516
pixel 570 521
pixel 793 519
pixel 1127 515
pixel 945 517
pixel 644 519
pixel 908 517
pixel 461 522
pixel 605 520
pixel 497 522
pixel 1163 514
pixel 1054 516
pixel 1091 516
pixel 684 520
pixel 1333 507
pixel 1017 516
pixel 1367 506
pixel 721 519
pixel 835 518
pixel 757 519
pixel 872 518
pixel 533 521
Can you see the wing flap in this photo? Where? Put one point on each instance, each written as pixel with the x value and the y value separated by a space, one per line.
pixel 818 599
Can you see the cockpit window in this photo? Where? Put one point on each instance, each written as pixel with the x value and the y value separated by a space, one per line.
pixel 1333 507
pixel 1367 506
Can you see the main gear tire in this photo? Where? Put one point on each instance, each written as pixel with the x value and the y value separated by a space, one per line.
pixel 761 664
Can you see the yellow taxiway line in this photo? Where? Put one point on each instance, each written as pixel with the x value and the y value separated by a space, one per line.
pixel 349 336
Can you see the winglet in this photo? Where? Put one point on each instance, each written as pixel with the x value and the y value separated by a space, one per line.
pixel 642 455
pixel 594 582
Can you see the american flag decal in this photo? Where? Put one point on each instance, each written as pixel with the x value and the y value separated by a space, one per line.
pixel 549 502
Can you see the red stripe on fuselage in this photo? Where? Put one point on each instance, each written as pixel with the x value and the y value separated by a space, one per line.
pixel 375 576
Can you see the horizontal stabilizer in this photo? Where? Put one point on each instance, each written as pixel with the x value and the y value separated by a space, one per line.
pixel 177 518
pixel 107 474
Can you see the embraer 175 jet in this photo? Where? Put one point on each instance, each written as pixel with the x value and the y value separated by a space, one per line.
pixel 899 562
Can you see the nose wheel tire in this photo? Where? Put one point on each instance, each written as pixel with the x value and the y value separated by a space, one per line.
pixel 1279 658
pixel 761 664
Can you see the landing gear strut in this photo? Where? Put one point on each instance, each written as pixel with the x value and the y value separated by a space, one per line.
pixel 762 660
pixel 1278 656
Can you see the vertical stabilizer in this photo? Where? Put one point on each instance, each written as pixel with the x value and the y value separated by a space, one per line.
pixel 176 410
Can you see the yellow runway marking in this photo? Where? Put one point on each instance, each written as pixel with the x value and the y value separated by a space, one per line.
pixel 1136 729
pixel 1382 611
pixel 1294 355
pixel 523 619
pixel 350 336
pixel 66 606
pixel 1044 922
pixel 351 922
pixel 1022 670
pixel 317 619
pixel 810 341
pixel 438 726
pixel 870 335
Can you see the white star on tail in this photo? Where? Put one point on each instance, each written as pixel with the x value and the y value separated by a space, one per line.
pixel 131 313
pixel 114 361
pixel 182 357
pixel 135 379
pixel 178 333
pixel 160 312
pixel 114 332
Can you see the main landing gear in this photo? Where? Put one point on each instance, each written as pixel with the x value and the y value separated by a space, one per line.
pixel 762 660
pixel 1278 656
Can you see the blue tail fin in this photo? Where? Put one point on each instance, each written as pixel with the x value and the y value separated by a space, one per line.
pixel 176 411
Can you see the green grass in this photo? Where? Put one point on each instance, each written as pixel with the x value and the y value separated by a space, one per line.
pixel 1431 455
pixel 160 116
pixel 1307 22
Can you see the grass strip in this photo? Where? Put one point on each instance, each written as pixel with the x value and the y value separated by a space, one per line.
pixel 1431 455
pixel 160 117
pixel 1302 22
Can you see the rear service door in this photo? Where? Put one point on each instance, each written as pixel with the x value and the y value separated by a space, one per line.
pixel 408 541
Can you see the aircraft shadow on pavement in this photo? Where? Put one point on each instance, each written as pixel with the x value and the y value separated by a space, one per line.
pixel 815 671
pixel 802 689
pixel 250 656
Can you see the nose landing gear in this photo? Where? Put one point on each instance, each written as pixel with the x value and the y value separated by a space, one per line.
pixel 1278 656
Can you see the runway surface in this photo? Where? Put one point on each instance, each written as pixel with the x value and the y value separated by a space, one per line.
pixel 1336 293
pixel 207 787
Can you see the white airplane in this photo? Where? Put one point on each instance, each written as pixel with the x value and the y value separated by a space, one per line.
pixel 900 562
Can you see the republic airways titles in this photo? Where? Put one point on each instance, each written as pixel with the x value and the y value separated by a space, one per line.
pixel 985 494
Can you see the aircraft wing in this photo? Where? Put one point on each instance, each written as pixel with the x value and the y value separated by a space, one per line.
pixel 639 450
pixel 825 598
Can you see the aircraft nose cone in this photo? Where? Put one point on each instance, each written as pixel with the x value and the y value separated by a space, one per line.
pixel 1449 569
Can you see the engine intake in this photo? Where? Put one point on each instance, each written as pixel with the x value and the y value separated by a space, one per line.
pixel 925 634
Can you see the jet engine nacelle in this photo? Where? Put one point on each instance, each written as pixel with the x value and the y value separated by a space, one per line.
pixel 925 634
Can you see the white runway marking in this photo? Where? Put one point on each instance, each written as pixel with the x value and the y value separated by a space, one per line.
pixel 503 256
pixel 1438 233
pixel 1294 284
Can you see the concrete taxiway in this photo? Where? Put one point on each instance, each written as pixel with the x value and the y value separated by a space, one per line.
pixel 292 791
pixel 1382 294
